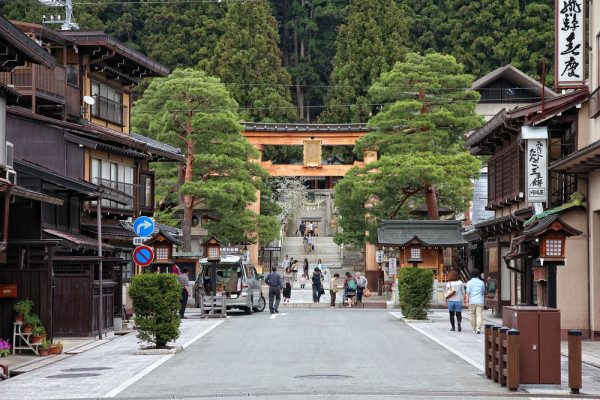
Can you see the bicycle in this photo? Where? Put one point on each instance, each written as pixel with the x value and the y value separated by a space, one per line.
pixel 388 288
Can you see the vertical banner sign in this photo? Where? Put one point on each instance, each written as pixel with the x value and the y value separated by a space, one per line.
pixel 569 63
pixel 536 157
pixel 392 265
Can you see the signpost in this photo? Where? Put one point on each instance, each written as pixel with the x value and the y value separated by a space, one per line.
pixel 143 255
pixel 270 250
pixel 143 226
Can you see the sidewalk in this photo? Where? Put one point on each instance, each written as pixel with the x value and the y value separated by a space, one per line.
pixel 469 346
pixel 102 371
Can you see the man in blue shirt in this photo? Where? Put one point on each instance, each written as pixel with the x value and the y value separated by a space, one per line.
pixel 275 287
pixel 474 300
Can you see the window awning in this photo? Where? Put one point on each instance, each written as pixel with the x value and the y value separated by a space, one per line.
pixel 582 161
pixel 33 195
pixel 77 241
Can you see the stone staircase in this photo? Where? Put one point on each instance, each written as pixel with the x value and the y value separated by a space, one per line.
pixel 325 249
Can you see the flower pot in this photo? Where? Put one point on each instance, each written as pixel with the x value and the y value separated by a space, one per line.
pixel 27 329
pixel 36 339
pixel 44 352
pixel 19 318
pixel 55 350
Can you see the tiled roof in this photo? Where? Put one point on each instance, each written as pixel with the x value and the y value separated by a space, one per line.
pixel 429 233
pixel 156 145
pixel 80 241
pixel 544 223
pixel 285 127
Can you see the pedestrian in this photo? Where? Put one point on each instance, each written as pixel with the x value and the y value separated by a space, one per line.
pixel 176 270
pixel 302 228
pixel 275 288
pixel 349 288
pixel 474 300
pixel 333 289
pixel 311 228
pixel 454 298
pixel 303 281
pixel 305 268
pixel 317 286
pixel 294 272
pixel 310 244
pixel 305 245
pixel 286 262
pixel 287 284
pixel 184 281
pixel 361 284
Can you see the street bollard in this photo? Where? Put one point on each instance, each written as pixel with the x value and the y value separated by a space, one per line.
pixel 495 352
pixel 512 359
pixel 575 361
pixel 502 355
pixel 488 356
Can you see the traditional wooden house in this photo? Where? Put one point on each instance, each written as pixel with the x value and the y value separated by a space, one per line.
pixel 72 143
pixel 514 241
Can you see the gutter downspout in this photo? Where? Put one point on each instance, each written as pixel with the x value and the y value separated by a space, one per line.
pixel 9 186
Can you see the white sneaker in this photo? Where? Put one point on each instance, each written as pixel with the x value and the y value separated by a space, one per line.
pixel 478 331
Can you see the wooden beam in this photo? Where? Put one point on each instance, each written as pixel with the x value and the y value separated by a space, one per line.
pixel 297 138
pixel 301 170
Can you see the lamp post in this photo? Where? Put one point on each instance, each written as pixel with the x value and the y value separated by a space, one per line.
pixel 213 251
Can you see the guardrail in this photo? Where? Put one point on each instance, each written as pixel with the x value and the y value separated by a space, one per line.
pixel 502 355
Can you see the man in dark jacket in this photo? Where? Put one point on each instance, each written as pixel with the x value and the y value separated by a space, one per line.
pixel 275 287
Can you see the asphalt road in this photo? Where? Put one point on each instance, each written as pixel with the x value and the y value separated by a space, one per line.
pixel 306 353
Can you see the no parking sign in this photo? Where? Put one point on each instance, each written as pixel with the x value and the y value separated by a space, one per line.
pixel 143 255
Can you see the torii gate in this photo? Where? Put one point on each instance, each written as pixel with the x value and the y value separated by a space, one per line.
pixel 284 134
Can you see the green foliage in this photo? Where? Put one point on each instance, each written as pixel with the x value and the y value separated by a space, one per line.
pixel 31 320
pixel 415 147
pixel 415 292
pixel 46 344
pixel 194 112
pixel 248 59
pixel 156 303
pixel 38 330
pixel 367 46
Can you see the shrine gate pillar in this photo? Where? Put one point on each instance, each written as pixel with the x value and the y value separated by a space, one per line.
pixel 255 207
pixel 372 272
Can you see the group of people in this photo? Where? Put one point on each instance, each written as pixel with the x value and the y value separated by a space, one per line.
pixel 472 298
pixel 308 237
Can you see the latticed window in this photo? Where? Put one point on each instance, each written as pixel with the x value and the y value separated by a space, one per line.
pixel 162 254
pixel 553 247
pixel 415 252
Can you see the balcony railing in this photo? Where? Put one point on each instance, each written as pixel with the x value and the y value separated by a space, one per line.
pixel 127 188
pixel 48 82
pixel 109 110
pixel 73 100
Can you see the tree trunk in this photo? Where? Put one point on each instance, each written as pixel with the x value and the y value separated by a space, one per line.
pixel 431 202
pixel 186 222
pixel 297 54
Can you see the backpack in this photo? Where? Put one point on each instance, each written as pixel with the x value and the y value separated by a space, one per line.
pixel 351 285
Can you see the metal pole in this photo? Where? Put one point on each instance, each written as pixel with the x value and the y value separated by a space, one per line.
pixel 99 221
pixel 552 285
pixel 270 261
pixel 213 277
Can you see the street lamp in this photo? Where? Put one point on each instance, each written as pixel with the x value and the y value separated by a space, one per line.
pixel 213 251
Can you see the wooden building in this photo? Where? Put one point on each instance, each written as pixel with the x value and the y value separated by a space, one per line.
pixel 73 145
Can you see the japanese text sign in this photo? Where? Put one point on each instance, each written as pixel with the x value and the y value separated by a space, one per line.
pixel 536 158
pixel 570 43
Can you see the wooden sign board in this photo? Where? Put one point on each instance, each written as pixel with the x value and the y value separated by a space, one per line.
pixel 8 291
pixel 312 153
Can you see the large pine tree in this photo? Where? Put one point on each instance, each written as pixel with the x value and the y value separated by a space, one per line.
pixel 367 46
pixel 248 60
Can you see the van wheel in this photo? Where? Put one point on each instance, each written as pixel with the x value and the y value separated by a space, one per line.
pixel 249 310
pixel 261 304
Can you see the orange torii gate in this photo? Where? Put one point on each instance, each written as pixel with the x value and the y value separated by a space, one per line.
pixel 284 134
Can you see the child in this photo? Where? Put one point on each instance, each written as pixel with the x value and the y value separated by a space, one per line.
pixel 303 281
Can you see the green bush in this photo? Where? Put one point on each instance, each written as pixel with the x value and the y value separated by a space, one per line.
pixel 415 292
pixel 156 303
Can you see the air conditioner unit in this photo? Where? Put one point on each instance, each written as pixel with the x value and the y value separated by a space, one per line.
pixel 9 155
pixel 11 175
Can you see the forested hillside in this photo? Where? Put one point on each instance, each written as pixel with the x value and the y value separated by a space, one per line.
pixel 331 50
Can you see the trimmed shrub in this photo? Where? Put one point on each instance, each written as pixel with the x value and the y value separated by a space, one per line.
pixel 415 292
pixel 156 303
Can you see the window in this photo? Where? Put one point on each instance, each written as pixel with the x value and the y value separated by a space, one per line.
pixel 162 254
pixel 73 74
pixel 113 175
pixel 415 253
pixel 128 268
pixel 109 103
pixel 146 191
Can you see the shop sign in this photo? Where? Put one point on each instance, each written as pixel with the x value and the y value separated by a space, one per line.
pixel 570 43
pixel 536 157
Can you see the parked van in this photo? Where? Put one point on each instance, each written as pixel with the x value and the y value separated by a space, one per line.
pixel 237 280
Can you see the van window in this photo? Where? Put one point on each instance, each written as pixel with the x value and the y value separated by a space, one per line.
pixel 228 275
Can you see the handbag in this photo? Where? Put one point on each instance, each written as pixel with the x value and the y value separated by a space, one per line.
pixel 450 292
pixel 322 291
pixel 367 293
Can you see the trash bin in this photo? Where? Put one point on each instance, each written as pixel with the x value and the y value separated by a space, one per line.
pixel 539 345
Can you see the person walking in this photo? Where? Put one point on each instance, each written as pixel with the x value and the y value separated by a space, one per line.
pixel 305 245
pixel 310 244
pixel 474 300
pixel 287 284
pixel 311 229
pixel 305 268
pixel 184 281
pixel 294 267
pixel 275 287
pixel 349 288
pixel 361 284
pixel 333 289
pixel 454 298
pixel 286 262
pixel 317 286
pixel 302 228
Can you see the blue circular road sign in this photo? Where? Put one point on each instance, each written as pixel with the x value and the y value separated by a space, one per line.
pixel 143 226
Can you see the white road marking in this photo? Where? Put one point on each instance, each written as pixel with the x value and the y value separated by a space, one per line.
pixel 275 315
pixel 467 359
pixel 146 371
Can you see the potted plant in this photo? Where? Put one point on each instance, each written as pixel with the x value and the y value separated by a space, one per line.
pixel 37 333
pixel 29 321
pixel 45 347
pixel 4 348
pixel 23 308
pixel 58 348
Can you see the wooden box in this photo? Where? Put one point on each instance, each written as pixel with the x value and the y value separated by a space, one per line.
pixel 8 290
pixel 539 273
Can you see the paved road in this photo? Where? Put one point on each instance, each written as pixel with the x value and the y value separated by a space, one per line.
pixel 302 352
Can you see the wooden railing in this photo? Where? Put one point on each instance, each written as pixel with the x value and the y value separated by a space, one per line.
pixel 48 82
pixel 73 100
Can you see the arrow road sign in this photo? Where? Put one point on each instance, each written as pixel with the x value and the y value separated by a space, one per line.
pixel 143 226
pixel 143 255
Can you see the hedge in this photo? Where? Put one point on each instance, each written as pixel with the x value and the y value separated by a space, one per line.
pixel 415 292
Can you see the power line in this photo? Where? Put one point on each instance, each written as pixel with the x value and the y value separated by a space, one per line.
pixel 164 2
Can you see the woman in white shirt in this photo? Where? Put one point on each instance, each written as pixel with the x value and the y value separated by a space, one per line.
pixel 454 302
